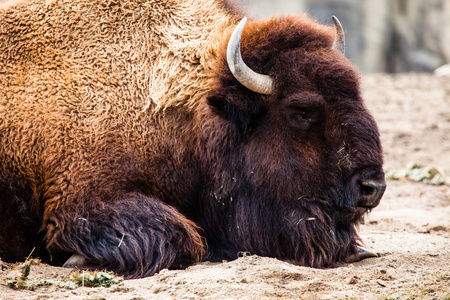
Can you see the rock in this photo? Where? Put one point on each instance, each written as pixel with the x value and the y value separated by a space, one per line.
pixel 443 71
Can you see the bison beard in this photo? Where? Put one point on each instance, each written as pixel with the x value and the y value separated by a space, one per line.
pixel 130 140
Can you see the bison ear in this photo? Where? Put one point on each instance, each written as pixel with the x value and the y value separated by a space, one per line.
pixel 239 112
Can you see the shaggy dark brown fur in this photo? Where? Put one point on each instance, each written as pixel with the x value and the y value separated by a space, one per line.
pixel 126 140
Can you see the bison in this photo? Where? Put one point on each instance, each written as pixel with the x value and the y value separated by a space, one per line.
pixel 137 135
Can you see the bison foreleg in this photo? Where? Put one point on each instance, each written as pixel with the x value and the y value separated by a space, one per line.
pixel 135 237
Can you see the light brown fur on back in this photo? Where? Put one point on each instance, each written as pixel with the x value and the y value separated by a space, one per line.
pixel 76 71
pixel 159 50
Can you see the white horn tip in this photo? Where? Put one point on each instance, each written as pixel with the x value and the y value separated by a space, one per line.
pixel 339 36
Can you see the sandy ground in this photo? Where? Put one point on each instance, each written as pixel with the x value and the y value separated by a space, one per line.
pixel 410 229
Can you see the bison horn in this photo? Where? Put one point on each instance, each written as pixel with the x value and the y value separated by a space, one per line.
pixel 362 254
pixel 259 83
pixel 339 37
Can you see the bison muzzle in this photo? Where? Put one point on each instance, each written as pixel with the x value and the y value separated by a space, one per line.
pixel 137 135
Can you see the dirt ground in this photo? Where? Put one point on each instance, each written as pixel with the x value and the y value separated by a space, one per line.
pixel 410 229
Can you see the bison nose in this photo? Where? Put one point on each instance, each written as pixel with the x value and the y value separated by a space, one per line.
pixel 368 189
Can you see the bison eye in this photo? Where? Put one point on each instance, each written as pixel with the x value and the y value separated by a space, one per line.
pixel 302 120
pixel 303 117
pixel 303 110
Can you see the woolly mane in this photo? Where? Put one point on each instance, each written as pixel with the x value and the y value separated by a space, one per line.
pixel 160 50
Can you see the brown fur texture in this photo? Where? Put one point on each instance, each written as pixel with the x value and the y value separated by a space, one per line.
pixel 125 138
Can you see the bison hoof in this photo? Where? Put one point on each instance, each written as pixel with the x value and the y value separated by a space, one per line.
pixel 75 261
pixel 362 253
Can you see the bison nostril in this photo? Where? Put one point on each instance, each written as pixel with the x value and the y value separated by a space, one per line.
pixel 367 188
pixel 371 192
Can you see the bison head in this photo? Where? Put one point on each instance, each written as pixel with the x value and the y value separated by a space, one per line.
pixel 294 156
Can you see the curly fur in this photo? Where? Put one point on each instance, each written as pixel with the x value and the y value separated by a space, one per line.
pixel 124 137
